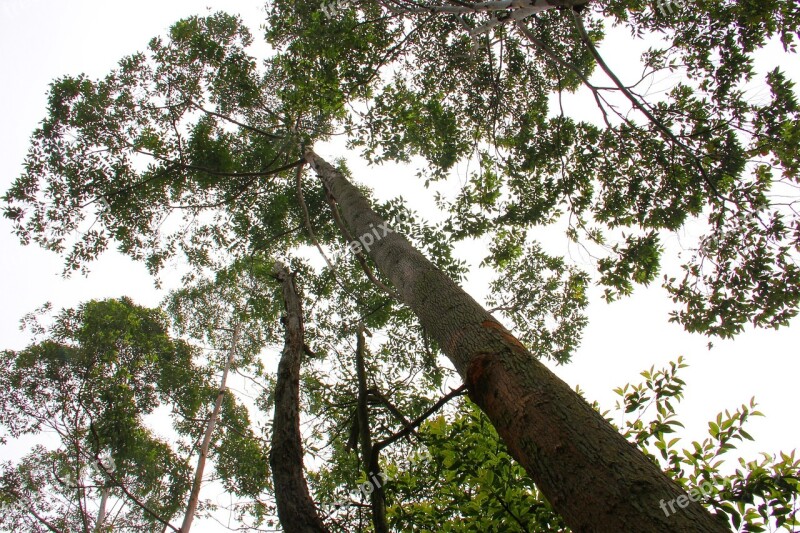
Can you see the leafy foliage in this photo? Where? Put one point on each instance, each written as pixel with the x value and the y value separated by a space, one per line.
pixel 104 368
pixel 468 482
pixel 705 153
pixel 99 384
pixel 758 495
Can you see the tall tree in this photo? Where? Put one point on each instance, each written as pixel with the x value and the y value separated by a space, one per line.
pixel 458 81
pixel 563 444
pixel 197 482
pixel 195 127
pixel 470 482
pixel 95 382
pixel 233 314
pixel 295 507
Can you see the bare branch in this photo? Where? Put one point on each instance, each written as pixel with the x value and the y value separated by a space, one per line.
pixel 422 418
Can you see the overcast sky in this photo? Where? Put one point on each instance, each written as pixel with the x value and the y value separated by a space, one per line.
pixel 41 40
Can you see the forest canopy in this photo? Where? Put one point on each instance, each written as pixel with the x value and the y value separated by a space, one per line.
pixel 195 151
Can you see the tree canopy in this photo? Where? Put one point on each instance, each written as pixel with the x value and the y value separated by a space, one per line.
pixel 401 82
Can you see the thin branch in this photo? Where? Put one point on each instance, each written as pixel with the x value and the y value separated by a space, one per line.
pixel 212 172
pixel 556 59
pixel 124 490
pixel 420 419
pixel 489 6
pixel 393 409
pixel 43 521
pixel 234 121
pixel 510 512
pixel 307 217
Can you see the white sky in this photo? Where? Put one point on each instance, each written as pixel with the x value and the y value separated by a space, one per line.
pixel 41 39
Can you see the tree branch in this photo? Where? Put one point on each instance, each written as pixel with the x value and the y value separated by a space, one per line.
pixel 422 418
pixel 641 107
pixel 369 454
pixel 234 121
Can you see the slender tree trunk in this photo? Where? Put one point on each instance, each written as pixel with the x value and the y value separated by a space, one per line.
pixel 296 509
pixel 369 455
pixel 591 475
pixel 194 497
pixel 101 514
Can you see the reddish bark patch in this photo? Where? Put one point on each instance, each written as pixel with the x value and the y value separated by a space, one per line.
pixel 477 374
pixel 483 373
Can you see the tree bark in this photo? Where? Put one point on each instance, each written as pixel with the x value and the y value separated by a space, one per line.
pixel 194 497
pixel 296 509
pixel 369 455
pixel 591 475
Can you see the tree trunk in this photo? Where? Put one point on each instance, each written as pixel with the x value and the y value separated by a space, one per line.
pixel 296 509
pixel 369 455
pixel 591 475
pixel 101 514
pixel 194 497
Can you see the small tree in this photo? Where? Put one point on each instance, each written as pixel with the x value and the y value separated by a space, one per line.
pixel 101 370
pixel 86 392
